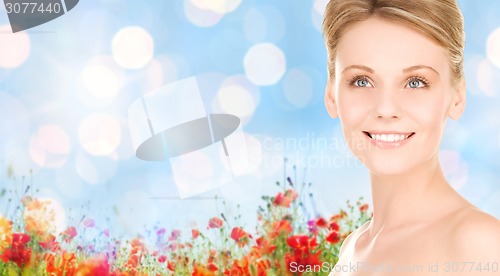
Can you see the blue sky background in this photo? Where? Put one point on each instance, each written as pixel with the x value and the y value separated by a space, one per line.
pixel 65 88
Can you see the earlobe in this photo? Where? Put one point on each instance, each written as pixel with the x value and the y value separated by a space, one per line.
pixel 458 103
pixel 330 104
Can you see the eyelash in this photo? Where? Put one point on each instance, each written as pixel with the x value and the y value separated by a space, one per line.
pixel 355 78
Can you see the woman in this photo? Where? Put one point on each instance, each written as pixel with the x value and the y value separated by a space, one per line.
pixel 395 75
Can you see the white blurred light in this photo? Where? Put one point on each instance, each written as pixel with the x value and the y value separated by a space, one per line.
pixel 298 88
pixel 59 214
pixel 264 64
pixel 100 134
pixel 217 6
pixel 493 47
pixel 484 76
pixel 238 96
pixel 236 100
pixel 319 6
pixel 132 47
pixel 201 17
pixel 101 81
pixel 317 11
pixel 14 48
pixel 50 147
pixel 155 75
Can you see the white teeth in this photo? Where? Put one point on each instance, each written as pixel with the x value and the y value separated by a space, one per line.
pixel 389 137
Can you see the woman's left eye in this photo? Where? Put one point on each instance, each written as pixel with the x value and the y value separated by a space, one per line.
pixel 417 83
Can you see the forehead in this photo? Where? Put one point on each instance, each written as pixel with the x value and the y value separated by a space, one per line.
pixel 387 46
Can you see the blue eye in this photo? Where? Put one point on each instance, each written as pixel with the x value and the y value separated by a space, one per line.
pixel 416 83
pixel 360 82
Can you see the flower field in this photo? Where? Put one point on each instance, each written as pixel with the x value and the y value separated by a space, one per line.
pixel 287 240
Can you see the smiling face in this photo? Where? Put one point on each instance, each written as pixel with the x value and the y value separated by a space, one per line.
pixel 392 91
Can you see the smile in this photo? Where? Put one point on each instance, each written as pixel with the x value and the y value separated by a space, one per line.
pixel 389 137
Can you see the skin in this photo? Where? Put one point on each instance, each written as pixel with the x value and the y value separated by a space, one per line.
pixel 418 218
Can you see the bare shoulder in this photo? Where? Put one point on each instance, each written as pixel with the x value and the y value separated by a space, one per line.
pixel 352 237
pixel 475 235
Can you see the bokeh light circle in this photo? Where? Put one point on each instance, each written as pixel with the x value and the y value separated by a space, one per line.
pixel 264 64
pixel 493 47
pixel 217 6
pixel 50 147
pixel 317 11
pixel 101 81
pixel 14 48
pixel 236 100
pixel 99 134
pixel 132 47
pixel 485 77
pixel 238 96
pixel 298 88
pixel 200 17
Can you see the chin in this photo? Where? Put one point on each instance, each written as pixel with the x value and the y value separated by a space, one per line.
pixel 388 167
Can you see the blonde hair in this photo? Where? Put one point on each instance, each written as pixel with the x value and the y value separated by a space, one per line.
pixel 440 20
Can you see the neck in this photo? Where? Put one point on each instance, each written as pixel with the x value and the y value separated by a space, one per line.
pixel 407 198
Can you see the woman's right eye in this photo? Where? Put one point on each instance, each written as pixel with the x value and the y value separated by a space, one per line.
pixel 360 82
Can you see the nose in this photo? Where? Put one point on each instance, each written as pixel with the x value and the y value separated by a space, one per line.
pixel 386 106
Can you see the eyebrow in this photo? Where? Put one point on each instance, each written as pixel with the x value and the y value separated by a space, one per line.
pixel 406 70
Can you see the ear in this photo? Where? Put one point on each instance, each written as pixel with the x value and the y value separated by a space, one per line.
pixel 331 105
pixel 458 103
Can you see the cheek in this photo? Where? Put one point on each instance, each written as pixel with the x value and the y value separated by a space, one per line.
pixel 353 110
pixel 430 113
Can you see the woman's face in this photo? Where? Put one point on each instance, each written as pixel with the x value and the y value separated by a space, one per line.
pixel 392 91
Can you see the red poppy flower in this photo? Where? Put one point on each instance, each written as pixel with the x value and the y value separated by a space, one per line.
pixel 95 266
pixel 333 226
pixel 364 207
pixel 170 266
pixel 215 222
pixel 264 246
pixel 49 243
pixel 281 227
pixel 333 237
pixel 285 199
pixel 301 242
pixel 162 258
pixel 240 236
pixel 321 222
pixel 18 252
pixel 69 234
pixel 195 233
